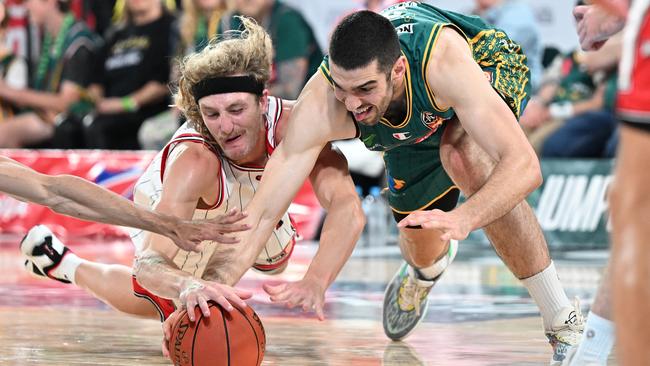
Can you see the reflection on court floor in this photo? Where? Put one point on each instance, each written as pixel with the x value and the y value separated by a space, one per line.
pixel 478 314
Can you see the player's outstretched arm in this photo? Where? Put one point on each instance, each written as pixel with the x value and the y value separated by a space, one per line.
pixel 76 197
pixel 316 118
pixel 188 177
pixel 458 82
pixel 341 230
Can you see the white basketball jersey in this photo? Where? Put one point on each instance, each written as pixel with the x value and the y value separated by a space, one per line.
pixel 238 185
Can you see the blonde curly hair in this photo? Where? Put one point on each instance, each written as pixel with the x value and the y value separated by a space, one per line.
pixel 247 52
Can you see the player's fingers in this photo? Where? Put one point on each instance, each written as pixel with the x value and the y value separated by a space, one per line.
pixel 234 227
pixel 203 305
pixel 282 296
pixel 273 289
pixel 318 308
pixel 190 304
pixel 232 298
pixel 446 236
pixel 225 239
pixel 165 349
pixel 244 294
pixel 225 304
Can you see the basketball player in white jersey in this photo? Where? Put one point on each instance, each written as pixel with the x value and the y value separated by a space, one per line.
pixel 213 164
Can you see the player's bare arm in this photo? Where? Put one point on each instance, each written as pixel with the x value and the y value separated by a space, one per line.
pixel 316 119
pixel 458 82
pixel 76 197
pixel 190 177
pixel 334 188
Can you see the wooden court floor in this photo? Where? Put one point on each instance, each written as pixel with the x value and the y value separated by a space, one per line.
pixel 478 315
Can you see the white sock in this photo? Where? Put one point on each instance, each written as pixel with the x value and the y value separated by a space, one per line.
pixel 68 267
pixel 436 269
pixel 597 341
pixel 545 288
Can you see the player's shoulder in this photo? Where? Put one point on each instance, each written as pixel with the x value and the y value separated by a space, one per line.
pixel 194 161
pixel 285 106
pixel 450 45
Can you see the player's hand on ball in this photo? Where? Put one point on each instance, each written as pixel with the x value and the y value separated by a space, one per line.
pixel 197 292
pixel 167 331
pixel 306 293
pixel 191 233
pixel 452 226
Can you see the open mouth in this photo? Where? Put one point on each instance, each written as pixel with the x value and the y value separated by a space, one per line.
pixel 361 114
pixel 233 139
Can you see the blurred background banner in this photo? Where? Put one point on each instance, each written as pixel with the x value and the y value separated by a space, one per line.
pixel 571 205
pixel 117 171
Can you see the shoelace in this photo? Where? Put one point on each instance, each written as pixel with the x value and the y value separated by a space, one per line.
pixel 574 330
pixel 411 295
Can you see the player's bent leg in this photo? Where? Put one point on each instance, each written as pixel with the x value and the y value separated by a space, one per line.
pixel 630 212
pixel 47 256
pixel 518 239
pixel 406 296
pixel 112 284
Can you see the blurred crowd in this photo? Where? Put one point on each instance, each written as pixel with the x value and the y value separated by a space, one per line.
pixel 98 74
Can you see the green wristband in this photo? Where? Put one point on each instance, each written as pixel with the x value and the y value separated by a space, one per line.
pixel 129 104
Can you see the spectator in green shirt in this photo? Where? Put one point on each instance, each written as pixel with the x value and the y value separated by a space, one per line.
pixel 297 54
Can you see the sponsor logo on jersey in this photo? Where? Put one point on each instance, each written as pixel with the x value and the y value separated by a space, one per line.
pixel 405 28
pixel 395 184
pixel 402 135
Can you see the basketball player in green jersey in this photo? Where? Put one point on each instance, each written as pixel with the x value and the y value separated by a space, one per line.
pixel 440 94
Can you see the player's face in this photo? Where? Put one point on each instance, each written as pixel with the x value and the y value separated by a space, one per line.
pixel 366 91
pixel 236 121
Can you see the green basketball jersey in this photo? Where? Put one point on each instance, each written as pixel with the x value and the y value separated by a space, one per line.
pixel 418 26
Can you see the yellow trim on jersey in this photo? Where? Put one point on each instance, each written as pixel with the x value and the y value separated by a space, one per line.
pixel 433 36
pixel 409 100
pixel 326 72
pixel 427 55
pixel 428 204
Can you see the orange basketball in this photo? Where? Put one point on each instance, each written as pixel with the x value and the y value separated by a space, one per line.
pixel 225 338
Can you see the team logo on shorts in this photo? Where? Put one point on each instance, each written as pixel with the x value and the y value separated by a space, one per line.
pixel 395 184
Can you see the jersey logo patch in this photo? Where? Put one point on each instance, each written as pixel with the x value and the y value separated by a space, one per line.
pixel 402 135
pixel 430 120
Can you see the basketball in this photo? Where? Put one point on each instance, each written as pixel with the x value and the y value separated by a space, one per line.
pixel 233 338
